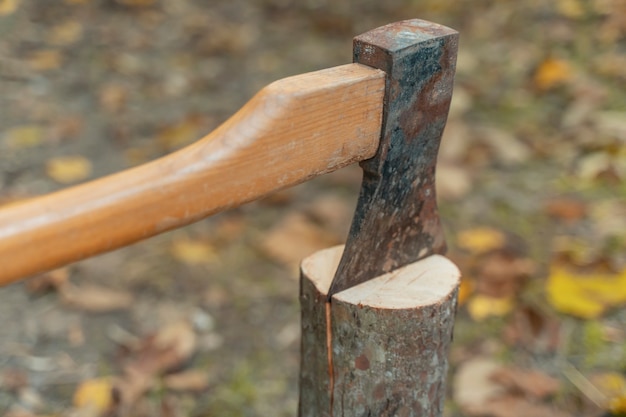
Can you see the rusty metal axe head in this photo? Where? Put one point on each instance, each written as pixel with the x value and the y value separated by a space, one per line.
pixel 396 220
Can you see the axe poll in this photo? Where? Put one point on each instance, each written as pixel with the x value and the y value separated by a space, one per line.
pixel 387 111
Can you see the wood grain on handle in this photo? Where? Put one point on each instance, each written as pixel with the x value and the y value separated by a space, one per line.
pixel 293 130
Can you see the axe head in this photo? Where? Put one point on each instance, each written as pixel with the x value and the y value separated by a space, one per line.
pixel 396 220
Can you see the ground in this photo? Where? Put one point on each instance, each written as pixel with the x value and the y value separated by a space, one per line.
pixel 532 193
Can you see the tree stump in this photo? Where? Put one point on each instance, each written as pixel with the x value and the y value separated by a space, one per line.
pixel 389 339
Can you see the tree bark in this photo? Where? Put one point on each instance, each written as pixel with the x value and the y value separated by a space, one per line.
pixel 389 339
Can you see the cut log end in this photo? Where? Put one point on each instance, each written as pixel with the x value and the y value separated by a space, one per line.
pixel 389 339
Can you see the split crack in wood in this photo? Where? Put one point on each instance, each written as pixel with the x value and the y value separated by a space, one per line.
pixel 379 347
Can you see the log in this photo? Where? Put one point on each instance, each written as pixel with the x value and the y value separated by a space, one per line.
pixel 389 339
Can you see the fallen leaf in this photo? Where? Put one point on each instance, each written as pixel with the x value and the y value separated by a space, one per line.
pixel 514 406
pixel 472 383
pixel 94 394
pixel 481 306
pixel 66 33
pixel 13 380
pixel 164 351
pixel 179 134
pixel 294 238
pixel 193 252
pixel 533 329
pixel 613 386
pixel 566 208
pixel 7 7
pixel 585 295
pixel 528 382
pixel 501 273
pixel 481 239
pixel 113 97
pixel 68 169
pixel 45 59
pixel 504 145
pixel 453 182
pixel 552 73
pixel 187 381
pixel 24 137
pixel 333 213
pixel 572 9
pixel 465 290
pixel 94 299
pixel 48 281
pixel 136 3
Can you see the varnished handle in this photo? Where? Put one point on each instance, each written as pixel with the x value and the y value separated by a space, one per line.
pixel 293 130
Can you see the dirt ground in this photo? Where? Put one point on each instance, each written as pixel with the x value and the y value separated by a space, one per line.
pixel 531 182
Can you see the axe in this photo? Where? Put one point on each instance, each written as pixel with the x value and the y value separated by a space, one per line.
pixel 387 111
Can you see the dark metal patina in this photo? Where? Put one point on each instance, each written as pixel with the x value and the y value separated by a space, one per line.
pixel 396 220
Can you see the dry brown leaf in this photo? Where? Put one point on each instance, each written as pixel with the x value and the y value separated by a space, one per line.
pixel 514 406
pixel 528 382
pixel 48 281
pixel 94 299
pixel 533 329
pixel 166 350
pixel 472 384
pixel 294 238
pixel 68 169
pixel 568 209
pixel 113 97
pixel 501 273
pixel 333 213
pixel 187 381
pixel 66 33
pixel 453 181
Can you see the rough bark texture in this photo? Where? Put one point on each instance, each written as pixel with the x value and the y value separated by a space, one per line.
pixel 390 339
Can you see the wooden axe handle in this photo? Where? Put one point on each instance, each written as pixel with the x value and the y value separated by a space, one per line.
pixel 293 130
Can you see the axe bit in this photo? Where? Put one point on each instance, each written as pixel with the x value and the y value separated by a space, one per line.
pixel 396 220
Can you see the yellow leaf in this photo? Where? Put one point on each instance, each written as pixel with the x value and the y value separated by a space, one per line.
pixel 465 290
pixel 482 306
pixel 95 394
pixel 24 137
pixel 66 33
pixel 481 239
pixel 136 3
pixel 68 169
pixel 570 8
pixel 179 134
pixel 193 251
pixel 551 73
pixel 8 6
pixel 585 295
pixel 45 59
pixel 613 386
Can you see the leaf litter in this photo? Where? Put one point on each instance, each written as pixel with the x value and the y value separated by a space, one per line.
pixel 533 148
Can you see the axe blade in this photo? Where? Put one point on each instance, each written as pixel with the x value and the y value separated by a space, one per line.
pixel 396 220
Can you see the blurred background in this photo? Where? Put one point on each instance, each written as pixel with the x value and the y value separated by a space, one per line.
pixel 204 321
